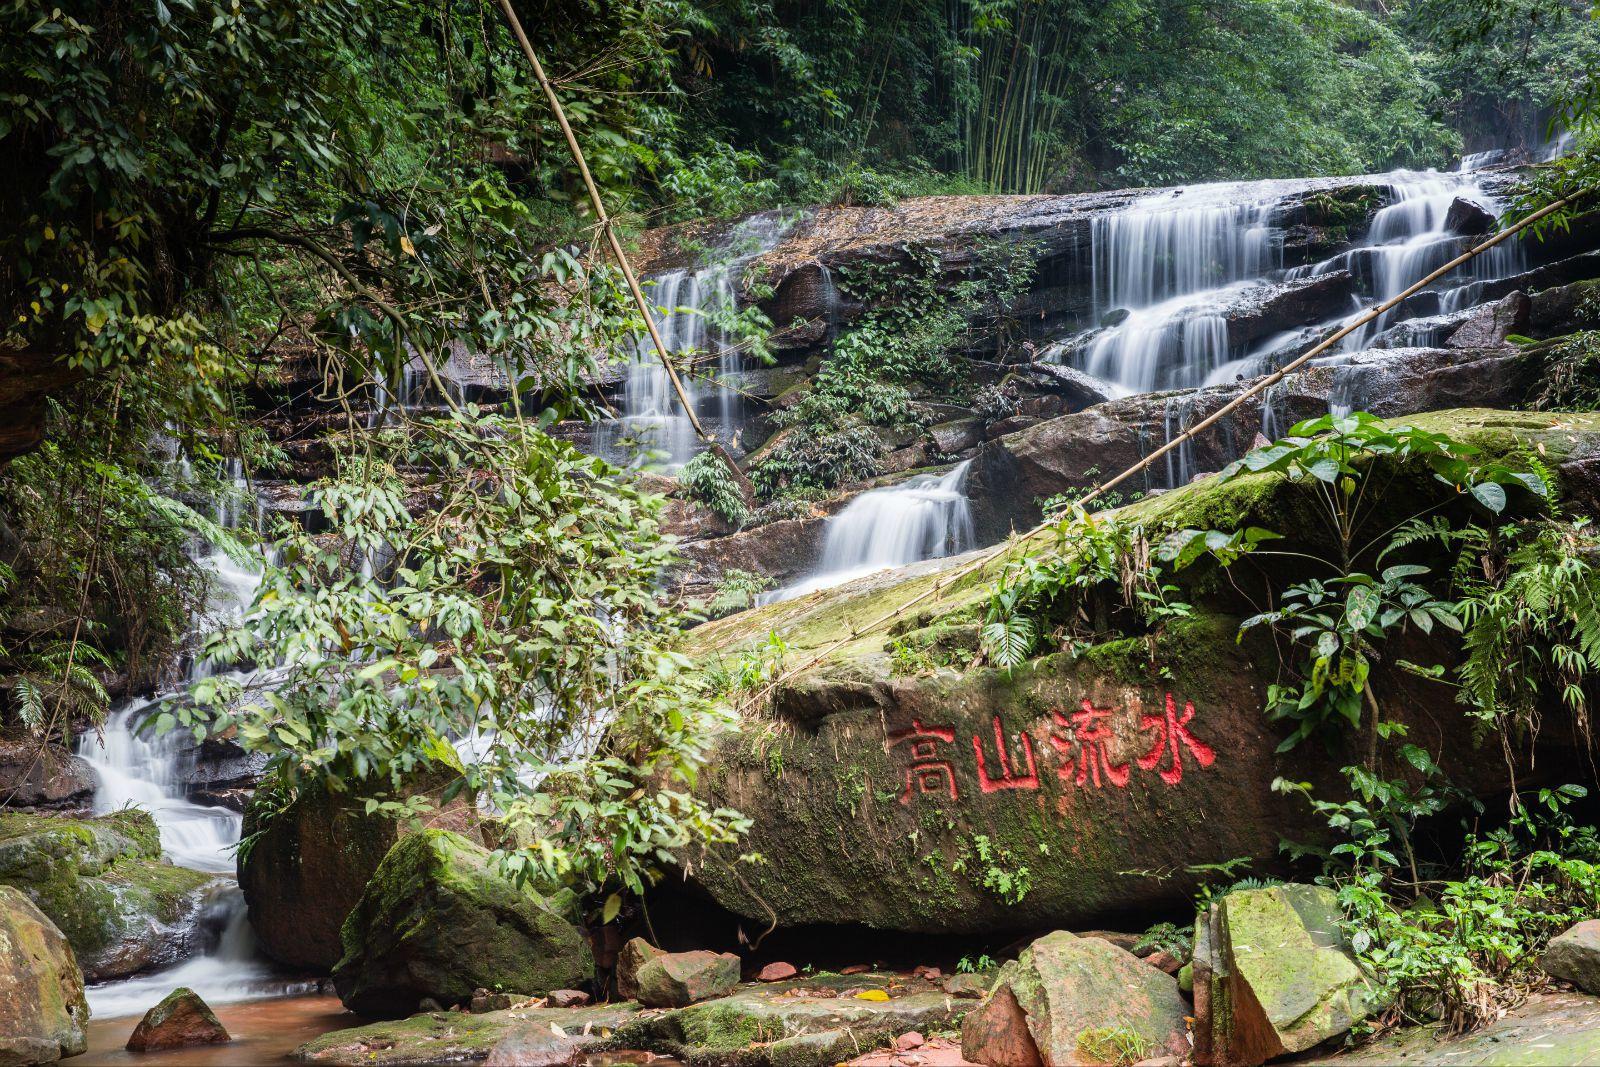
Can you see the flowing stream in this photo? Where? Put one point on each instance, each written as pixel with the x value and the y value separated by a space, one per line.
pixel 924 517
pixel 686 306
pixel 133 767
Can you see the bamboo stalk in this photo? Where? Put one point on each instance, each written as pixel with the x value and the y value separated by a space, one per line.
pixel 1005 547
pixel 605 221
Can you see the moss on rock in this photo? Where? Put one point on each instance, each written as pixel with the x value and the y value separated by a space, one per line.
pixel 102 883
pixel 438 921
pixel 42 1007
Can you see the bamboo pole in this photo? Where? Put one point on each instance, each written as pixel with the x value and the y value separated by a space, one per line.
pixel 606 224
pixel 1005 547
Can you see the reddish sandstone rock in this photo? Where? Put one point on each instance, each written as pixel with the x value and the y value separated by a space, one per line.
pixel 910 1040
pixel 996 1034
pixel 567 998
pixel 180 1020
pixel 776 972
pixel 1067 988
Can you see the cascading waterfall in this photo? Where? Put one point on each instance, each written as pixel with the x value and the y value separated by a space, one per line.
pixel 1166 264
pixel 925 517
pixel 652 426
pixel 133 767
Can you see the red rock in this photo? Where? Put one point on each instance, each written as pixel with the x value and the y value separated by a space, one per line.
pixel 1164 961
pixel 932 974
pixel 180 1020
pixel 996 1035
pixel 776 972
pixel 908 1041
pixel 856 968
pixel 567 998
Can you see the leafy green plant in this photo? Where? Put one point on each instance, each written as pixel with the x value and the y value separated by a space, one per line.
pixel 975 964
pixel 736 591
pixel 519 615
pixel 707 478
pixel 1117 1043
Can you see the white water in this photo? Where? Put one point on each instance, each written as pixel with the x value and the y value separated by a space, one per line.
pixel 925 517
pixel 1171 264
pixel 652 427
pixel 133 767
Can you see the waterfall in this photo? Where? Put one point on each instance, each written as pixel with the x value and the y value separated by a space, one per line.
pixel 1166 265
pixel 684 306
pixel 1166 269
pixel 924 517
pixel 134 767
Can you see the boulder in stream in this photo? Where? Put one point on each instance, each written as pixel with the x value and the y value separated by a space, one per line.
pixel 438 921
pixel 308 861
pixel 102 882
pixel 42 1007
pixel 180 1020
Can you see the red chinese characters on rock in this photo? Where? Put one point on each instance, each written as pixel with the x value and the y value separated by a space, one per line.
pixel 1171 732
pixel 1006 779
pixel 1091 732
pixel 1084 740
pixel 926 773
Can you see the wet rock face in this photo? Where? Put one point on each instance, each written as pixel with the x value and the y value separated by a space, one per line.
pixel 1079 998
pixel 42 1007
pixel 1273 975
pixel 437 921
pixel 44 777
pixel 103 884
pixel 309 862
pixel 181 1019
pixel 1014 473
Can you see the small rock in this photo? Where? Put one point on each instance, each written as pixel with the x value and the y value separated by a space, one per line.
pixel 1467 218
pixel 567 998
pixel 932 974
pixel 180 1020
pixel 908 1041
pixel 776 972
pixel 968 986
pixel 856 968
pixel 660 979
pixel 483 1002
pixel 1574 956
pixel 1064 986
pixel 1164 961
pixel 996 1034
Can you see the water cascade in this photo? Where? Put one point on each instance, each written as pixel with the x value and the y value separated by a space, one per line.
pixel 134 767
pixel 924 517
pixel 685 306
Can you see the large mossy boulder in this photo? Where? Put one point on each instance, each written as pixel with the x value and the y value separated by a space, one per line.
pixel 42 1008
pixel 892 783
pixel 104 885
pixel 660 979
pixel 1078 996
pixel 308 857
pixel 438 921
pixel 1273 975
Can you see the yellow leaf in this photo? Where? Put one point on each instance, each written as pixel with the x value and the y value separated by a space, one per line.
pixel 405 243
pixel 872 994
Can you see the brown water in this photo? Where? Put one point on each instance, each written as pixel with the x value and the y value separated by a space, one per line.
pixel 264 1032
